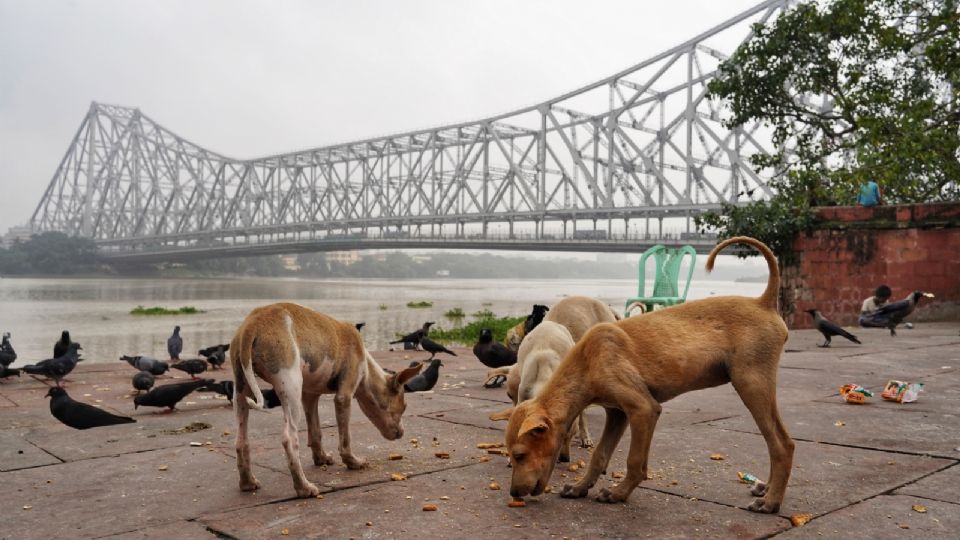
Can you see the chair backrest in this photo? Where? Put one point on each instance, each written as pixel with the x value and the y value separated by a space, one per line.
pixel 666 281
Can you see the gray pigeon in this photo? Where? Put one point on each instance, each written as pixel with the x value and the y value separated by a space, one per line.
pixel 7 354
pixel 145 363
pixel 57 368
pixel 216 354
pixel 175 344
pixel 8 372
pixel 143 381
pixel 80 415
pixel 192 366
pixel 425 380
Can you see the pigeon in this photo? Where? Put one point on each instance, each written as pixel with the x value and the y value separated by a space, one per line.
pixel 216 355
pixel 829 329
pixel 175 344
pixel 80 415
pixel 8 372
pixel 493 354
pixel 61 347
pixel 433 347
pixel 57 368
pixel 145 363
pixel 192 366
pixel 413 338
pixel 168 395
pixel 360 325
pixel 7 354
pixel 224 388
pixel 143 381
pixel 426 380
pixel 894 312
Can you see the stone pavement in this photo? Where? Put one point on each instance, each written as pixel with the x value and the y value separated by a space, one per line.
pixel 859 470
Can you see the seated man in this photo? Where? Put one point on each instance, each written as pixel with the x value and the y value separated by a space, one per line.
pixel 869 194
pixel 880 297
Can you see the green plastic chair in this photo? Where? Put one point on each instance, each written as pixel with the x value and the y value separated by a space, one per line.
pixel 666 283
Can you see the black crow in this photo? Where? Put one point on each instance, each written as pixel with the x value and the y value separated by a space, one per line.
pixel 193 366
pixel 829 329
pixel 143 380
pixel 60 348
pixel 216 354
pixel 57 368
pixel 534 318
pixel 8 372
pixel 433 347
pixel 80 415
pixel 425 380
pixel 360 325
pixel 491 353
pixel 169 395
pixel 270 399
pixel 7 354
pixel 175 344
pixel 224 388
pixel 145 363
pixel 414 338
pixel 894 312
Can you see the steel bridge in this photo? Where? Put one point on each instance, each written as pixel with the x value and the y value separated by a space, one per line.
pixel 645 144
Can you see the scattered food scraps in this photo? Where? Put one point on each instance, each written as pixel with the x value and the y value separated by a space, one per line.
pixel 903 525
pixel 429 508
pixel 397 477
pixel 394 457
pixel 494 486
pixel 855 394
pixel 919 508
pixel 717 457
pixel 444 498
pixel 573 467
pixel 285 531
pixel 27 506
pixel 487 445
pixel 799 520
pixel 194 443
pixel 189 428
pixel 162 468
pixel 517 503
pixel 616 475
pixel 839 423
pixel 442 455
pixel 484 459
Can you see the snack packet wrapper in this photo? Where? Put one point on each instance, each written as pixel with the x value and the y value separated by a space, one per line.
pixel 747 478
pixel 901 392
pixel 855 394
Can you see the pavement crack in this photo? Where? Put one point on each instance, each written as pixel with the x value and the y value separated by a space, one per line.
pixel 458 423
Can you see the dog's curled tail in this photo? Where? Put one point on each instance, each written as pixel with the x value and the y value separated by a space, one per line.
pixel 243 371
pixel 772 292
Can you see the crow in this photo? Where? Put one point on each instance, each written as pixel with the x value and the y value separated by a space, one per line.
pixel 8 372
pixel 270 399
pixel 224 388
pixel 433 347
pixel 829 329
pixel 80 415
pixel 894 312
pixel 57 368
pixel 175 344
pixel 216 354
pixel 145 363
pixel 491 353
pixel 143 380
pixel 169 395
pixel 425 380
pixel 360 325
pixel 414 338
pixel 534 318
pixel 61 347
pixel 193 366
pixel 7 354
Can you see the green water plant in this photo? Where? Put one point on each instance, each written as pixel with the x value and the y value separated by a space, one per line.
pixel 157 310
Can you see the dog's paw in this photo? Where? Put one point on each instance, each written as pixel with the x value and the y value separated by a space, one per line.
pixel 759 489
pixel 354 463
pixel 322 458
pixel 764 506
pixel 586 442
pixel 608 495
pixel 574 491
pixel 250 484
pixel 307 490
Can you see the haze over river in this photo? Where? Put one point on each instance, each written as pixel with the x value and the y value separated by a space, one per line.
pixel 97 311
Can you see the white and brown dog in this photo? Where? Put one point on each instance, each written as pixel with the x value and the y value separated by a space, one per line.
pixel 304 354
pixel 632 366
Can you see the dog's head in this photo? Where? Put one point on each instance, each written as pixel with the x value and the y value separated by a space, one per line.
pixel 533 441
pixel 384 406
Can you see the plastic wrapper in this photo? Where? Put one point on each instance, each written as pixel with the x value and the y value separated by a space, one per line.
pixel 747 478
pixel 901 391
pixel 854 393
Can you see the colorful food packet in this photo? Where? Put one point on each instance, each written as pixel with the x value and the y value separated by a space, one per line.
pixel 901 392
pixel 854 393
pixel 747 478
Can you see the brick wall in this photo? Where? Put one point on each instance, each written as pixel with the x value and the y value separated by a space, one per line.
pixel 853 250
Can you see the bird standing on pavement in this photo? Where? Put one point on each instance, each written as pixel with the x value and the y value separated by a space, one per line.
pixel 216 355
pixel 415 337
pixel 8 372
pixel 143 381
pixel 60 347
pixel 145 363
pixel 491 353
pixel 192 366
pixel 893 313
pixel 433 347
pixel 7 354
pixel 57 368
pixel 224 388
pixel 426 380
pixel 829 329
pixel 169 395
pixel 175 344
pixel 80 415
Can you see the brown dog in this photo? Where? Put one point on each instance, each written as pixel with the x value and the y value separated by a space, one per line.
pixel 303 354
pixel 632 366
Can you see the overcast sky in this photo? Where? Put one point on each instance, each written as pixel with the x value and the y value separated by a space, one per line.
pixel 251 78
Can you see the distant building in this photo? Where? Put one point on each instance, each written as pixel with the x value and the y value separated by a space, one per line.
pixel 290 262
pixel 20 232
pixel 345 258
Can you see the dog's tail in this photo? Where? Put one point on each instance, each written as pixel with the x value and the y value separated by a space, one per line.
pixel 243 370
pixel 772 292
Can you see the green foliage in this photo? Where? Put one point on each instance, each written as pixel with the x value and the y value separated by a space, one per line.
pixel 153 311
pixel 883 81
pixel 382 307
pixel 50 253
pixel 484 314
pixel 419 305
pixel 455 313
pixel 470 333
pixel 776 223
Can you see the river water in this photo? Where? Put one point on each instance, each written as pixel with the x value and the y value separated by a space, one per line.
pixel 97 311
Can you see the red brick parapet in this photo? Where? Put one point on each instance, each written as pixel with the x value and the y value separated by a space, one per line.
pixel 852 250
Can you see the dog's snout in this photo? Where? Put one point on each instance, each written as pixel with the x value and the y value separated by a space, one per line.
pixel 398 433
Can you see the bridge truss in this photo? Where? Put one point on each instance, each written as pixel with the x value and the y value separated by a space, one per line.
pixel 644 143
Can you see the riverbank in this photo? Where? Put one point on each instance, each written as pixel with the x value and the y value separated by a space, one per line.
pixel 856 468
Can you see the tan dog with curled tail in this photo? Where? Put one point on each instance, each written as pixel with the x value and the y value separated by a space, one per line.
pixel 632 366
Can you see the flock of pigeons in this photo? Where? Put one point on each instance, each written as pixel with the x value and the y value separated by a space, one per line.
pixel 889 315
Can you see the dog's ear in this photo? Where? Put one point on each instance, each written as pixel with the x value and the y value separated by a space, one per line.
pixel 502 415
pixel 406 375
pixel 535 424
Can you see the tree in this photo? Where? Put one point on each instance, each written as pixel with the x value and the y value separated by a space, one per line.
pixel 856 89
